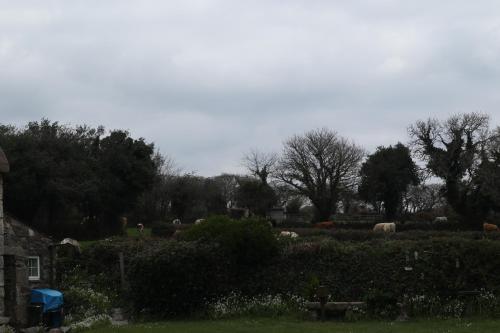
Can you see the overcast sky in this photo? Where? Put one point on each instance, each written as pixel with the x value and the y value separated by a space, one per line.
pixel 209 80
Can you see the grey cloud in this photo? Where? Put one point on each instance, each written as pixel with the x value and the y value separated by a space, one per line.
pixel 206 80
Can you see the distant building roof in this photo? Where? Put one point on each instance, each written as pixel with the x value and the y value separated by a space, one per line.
pixel 4 163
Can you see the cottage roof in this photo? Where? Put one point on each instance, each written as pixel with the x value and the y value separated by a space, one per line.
pixel 4 163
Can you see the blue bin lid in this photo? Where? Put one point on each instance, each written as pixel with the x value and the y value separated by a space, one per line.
pixel 51 299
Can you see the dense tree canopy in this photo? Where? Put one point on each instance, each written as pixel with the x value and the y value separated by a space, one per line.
pixel 255 195
pixel 68 180
pixel 386 176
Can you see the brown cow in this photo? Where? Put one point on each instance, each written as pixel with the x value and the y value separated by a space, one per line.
pixel 487 227
pixel 324 225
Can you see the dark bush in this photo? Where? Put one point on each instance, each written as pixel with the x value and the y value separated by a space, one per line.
pixel 354 270
pixel 383 304
pixel 177 279
pixel 247 241
pixel 162 229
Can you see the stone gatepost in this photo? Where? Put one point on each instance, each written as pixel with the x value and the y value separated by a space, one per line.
pixel 4 168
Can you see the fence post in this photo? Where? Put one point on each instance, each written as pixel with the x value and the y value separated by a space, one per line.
pixel 122 270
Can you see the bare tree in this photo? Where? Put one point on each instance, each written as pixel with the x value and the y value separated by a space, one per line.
pixel 453 150
pixel 424 197
pixel 229 186
pixel 260 164
pixel 319 165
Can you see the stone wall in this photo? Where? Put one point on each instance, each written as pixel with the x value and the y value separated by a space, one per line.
pixel 2 280
pixel 22 242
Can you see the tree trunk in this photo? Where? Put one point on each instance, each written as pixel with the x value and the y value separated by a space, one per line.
pixel 324 209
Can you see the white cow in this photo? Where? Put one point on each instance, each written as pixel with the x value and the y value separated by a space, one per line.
pixel 199 221
pixel 385 227
pixel 290 234
pixel 441 219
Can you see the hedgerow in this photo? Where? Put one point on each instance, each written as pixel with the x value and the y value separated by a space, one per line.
pixel 181 278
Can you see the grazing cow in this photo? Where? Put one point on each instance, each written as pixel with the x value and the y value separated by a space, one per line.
pixel 385 227
pixel 488 227
pixel 324 225
pixel 199 221
pixel 290 234
pixel 441 219
pixel 176 222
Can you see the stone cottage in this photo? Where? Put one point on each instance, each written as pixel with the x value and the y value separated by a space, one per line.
pixel 26 262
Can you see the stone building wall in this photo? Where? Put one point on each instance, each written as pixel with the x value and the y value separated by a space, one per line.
pixel 22 242
pixel 2 278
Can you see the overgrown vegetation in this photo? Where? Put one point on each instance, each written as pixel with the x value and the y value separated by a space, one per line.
pixel 179 279
pixel 248 242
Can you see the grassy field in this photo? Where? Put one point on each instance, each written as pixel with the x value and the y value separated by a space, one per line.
pixel 134 232
pixel 284 326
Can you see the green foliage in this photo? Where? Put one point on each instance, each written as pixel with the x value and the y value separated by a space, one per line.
pixel 246 241
pixel 382 304
pixel 74 180
pixel 162 229
pixel 257 196
pixel 177 278
pixel 81 297
pixel 311 288
pixel 83 302
pixel 386 175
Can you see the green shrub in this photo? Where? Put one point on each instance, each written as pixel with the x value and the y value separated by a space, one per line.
pixel 162 229
pixel 382 304
pixel 247 241
pixel 81 298
pixel 177 278
pixel 82 302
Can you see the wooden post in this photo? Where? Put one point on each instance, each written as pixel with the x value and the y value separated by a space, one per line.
pixel 122 270
pixel 322 294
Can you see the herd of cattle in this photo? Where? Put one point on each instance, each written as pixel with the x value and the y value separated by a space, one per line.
pixel 388 227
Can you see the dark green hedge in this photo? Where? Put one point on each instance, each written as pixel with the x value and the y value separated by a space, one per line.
pixel 354 270
pixel 170 278
pixel 177 279
pixel 369 235
pixel 162 229
pixel 248 242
